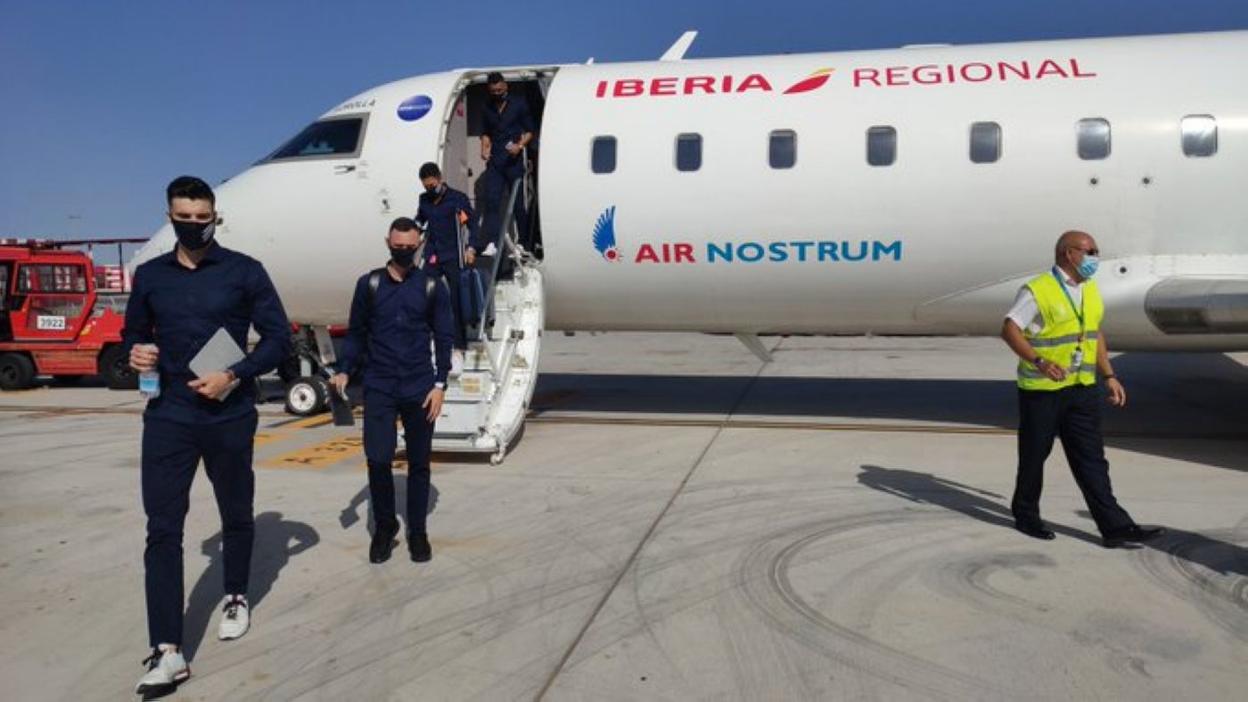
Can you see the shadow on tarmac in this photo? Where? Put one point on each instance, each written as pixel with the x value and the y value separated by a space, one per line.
pixel 1218 557
pixel 277 541
pixel 1173 398
pixel 350 514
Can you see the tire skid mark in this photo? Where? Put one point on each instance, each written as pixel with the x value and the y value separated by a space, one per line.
pixel 969 578
pixel 764 578
pixel 1208 570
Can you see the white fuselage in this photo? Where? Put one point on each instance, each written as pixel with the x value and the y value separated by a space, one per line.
pixel 739 246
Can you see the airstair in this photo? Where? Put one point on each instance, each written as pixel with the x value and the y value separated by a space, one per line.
pixel 486 404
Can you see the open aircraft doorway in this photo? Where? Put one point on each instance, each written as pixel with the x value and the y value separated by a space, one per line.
pixel 460 157
pixel 485 405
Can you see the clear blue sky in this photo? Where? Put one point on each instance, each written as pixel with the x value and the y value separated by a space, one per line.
pixel 104 102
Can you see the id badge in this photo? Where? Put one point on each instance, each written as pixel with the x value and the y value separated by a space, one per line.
pixel 1076 361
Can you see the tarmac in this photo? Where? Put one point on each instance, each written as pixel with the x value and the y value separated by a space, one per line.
pixel 678 521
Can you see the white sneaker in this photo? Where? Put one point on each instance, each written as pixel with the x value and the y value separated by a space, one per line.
pixel 235 618
pixel 457 363
pixel 165 669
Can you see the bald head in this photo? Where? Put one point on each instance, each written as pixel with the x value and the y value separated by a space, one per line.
pixel 1073 239
pixel 1072 247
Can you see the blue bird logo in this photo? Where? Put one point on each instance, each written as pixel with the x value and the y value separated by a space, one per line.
pixel 604 236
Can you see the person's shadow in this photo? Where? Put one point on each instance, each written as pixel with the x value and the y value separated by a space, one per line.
pixel 350 514
pixel 277 540
pixel 1218 556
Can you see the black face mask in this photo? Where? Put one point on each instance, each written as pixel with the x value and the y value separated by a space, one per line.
pixel 499 99
pixel 403 258
pixel 194 236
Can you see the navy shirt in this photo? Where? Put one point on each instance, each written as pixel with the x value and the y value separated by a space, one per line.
pixel 391 341
pixel 506 126
pixel 442 234
pixel 179 309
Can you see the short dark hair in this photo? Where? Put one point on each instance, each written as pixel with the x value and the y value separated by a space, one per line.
pixel 430 170
pixel 494 77
pixel 191 188
pixel 403 224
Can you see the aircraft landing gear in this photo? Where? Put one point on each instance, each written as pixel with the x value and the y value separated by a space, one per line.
pixel 307 390
pixel 306 396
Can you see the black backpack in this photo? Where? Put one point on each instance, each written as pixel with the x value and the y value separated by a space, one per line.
pixel 374 282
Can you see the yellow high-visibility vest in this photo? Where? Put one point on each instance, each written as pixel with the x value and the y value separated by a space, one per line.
pixel 1066 329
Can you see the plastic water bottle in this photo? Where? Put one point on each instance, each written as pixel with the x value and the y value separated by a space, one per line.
pixel 149 384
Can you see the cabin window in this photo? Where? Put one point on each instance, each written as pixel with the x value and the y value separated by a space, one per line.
pixel 985 142
pixel 881 146
pixel 1200 135
pixel 782 148
pixel 602 155
pixel 336 137
pixel 1094 139
pixel 688 152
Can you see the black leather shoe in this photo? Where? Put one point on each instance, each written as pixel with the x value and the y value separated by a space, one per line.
pixel 1036 531
pixel 383 544
pixel 418 547
pixel 1132 534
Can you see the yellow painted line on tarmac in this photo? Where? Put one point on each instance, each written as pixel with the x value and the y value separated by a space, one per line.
pixel 265 437
pixel 316 420
pixel 319 456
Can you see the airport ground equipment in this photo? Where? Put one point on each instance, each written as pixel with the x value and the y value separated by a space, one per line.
pixel 61 313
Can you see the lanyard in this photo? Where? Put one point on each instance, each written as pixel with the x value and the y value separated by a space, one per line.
pixel 1083 329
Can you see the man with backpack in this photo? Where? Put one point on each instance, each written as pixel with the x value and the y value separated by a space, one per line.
pixel 397 313
pixel 445 214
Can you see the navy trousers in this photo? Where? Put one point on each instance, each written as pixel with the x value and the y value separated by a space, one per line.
pixel 381 411
pixel 498 180
pixel 449 270
pixel 171 452
pixel 1074 414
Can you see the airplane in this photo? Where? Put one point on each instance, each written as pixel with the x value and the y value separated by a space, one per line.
pixel 909 191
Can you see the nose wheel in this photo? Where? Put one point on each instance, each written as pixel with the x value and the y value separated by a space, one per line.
pixel 306 396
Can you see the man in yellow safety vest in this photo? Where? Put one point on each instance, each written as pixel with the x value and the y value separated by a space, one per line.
pixel 1055 329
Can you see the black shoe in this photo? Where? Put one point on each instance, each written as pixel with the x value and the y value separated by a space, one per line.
pixel 383 544
pixel 1036 531
pixel 418 547
pixel 1132 534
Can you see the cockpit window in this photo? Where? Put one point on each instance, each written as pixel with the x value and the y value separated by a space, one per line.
pixel 335 137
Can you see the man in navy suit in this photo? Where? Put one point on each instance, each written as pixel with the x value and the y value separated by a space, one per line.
pixel 507 131
pixel 441 213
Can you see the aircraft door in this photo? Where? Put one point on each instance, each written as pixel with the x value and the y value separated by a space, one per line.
pixel 457 165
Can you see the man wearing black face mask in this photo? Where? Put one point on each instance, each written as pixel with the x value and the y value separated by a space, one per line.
pixel 395 314
pixel 178 302
pixel 508 129
pixel 443 210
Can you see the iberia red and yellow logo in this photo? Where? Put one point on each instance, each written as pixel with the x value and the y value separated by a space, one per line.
pixel 815 81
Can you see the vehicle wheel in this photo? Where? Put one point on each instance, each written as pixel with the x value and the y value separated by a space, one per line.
pixel 17 372
pixel 115 369
pixel 306 396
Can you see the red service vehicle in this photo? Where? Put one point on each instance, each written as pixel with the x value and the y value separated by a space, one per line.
pixel 60 313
